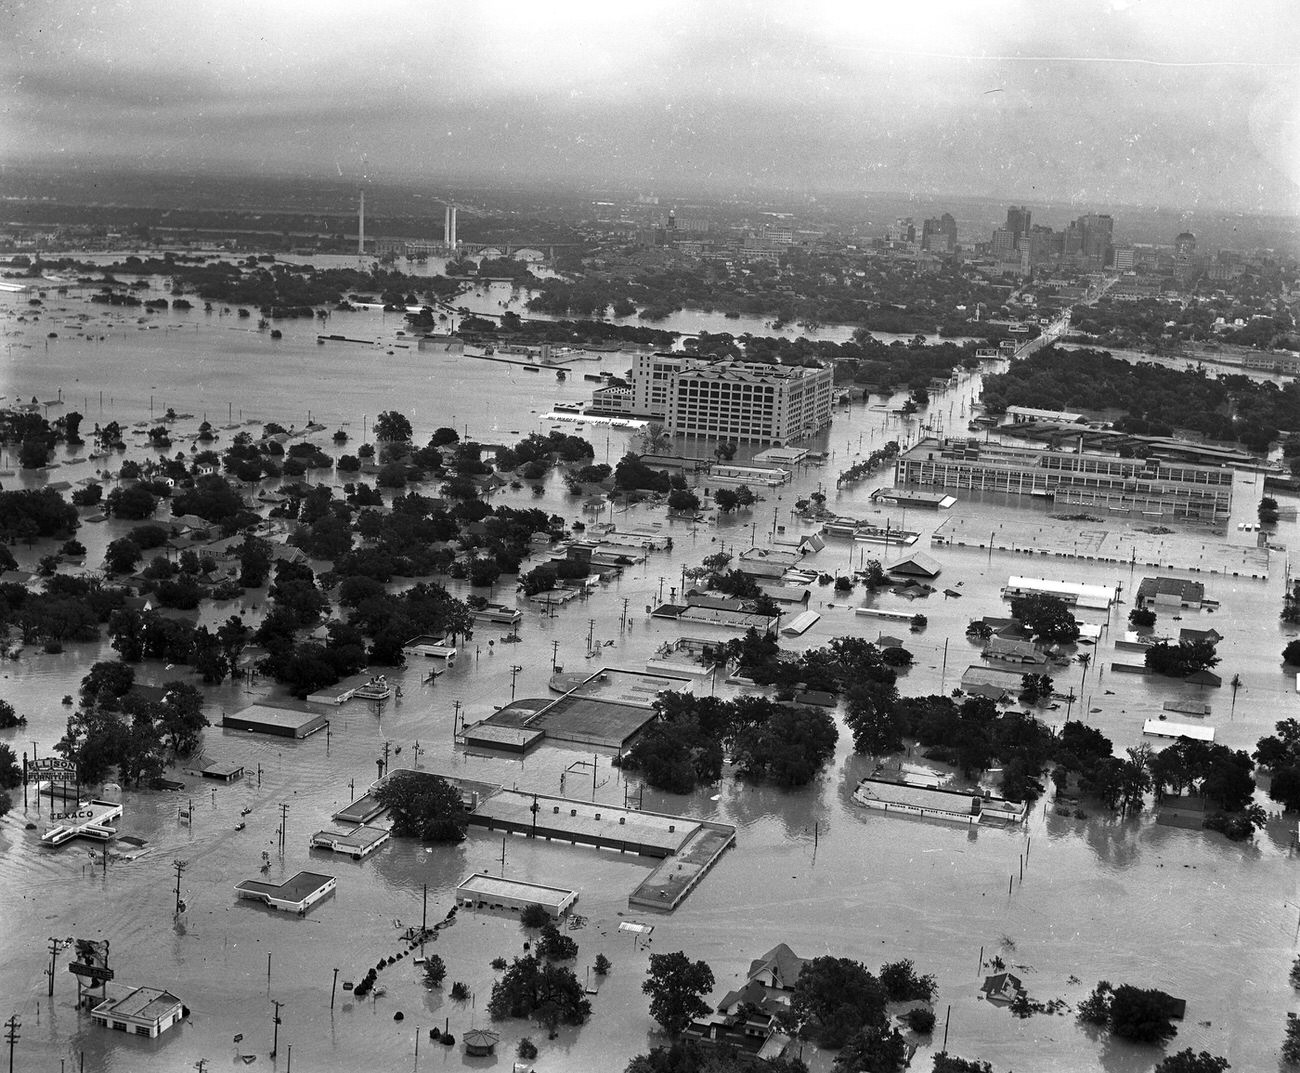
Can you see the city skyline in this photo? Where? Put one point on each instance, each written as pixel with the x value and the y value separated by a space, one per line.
pixel 1187 105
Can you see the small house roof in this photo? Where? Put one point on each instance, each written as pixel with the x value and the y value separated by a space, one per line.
pixel 1000 982
pixel 917 564
pixel 785 964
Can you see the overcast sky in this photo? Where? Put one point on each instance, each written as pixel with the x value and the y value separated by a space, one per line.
pixel 1183 103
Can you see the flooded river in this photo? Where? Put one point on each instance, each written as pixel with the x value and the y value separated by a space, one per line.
pixel 1207 920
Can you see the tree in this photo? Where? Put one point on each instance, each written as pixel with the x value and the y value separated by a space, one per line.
pixel 9 717
pixel 435 970
pixel 254 556
pixel 554 945
pixel 1181 659
pixel 950 1063
pixel 676 986
pixel 534 915
pixel 391 426
pixel 920 1019
pixel 726 499
pixel 34 453
pixel 1284 788
pixel 873 1049
pixel 423 806
pixel 788 748
pixel 1189 1061
pixel 132 503
pixel 534 987
pixel 834 998
pixel 180 719
pixel 902 984
pixel 1291 1044
pixel 122 555
pixel 1048 618
pixel 871 717
pixel 681 501
pixel 602 965
pixel 1291 654
pixel 11 774
pixel 1143 618
pixel 1142 1015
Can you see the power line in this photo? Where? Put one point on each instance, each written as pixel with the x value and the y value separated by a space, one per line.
pixel 180 867
pixel 11 1037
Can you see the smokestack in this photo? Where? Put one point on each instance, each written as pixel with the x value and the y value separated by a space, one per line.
pixel 454 242
pixel 361 226
pixel 446 226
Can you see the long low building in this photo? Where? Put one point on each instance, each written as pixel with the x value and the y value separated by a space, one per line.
pixel 1075 593
pixel 932 802
pixel 1164 728
pixel 281 721
pixel 357 843
pixel 295 895
pixel 1126 485
pixel 483 891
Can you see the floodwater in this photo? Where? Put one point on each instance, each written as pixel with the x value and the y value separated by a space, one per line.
pixel 1205 919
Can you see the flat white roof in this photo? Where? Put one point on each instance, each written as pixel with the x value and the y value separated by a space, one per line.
pixel 1163 728
pixel 1103 595
pixel 486 886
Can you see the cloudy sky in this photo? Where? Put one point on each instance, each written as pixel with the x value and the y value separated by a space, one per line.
pixel 1188 103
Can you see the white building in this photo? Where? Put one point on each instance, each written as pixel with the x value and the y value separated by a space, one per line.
pixel 141 1011
pixel 725 399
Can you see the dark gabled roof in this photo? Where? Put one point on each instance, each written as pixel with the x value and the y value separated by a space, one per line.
pixel 785 964
pixel 1170 586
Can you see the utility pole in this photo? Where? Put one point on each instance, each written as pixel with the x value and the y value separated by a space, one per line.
pixel 180 867
pixel 275 1040
pixel 622 623
pixel 334 988
pixel 284 819
pixel 11 1037
pixel 455 718
pixel 56 947
pixel 515 668
pixel 555 654
pixel 591 632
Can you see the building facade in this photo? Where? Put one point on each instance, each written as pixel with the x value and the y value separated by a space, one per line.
pixel 1137 485
pixel 748 402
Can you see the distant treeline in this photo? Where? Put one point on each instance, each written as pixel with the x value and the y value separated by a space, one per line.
pixel 1153 399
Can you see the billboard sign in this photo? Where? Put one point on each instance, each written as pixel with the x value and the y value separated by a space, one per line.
pixel 51 769
pixel 92 960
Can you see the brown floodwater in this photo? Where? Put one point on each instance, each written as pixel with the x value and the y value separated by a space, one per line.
pixel 1208 920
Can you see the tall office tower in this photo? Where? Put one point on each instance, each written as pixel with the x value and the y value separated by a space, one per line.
pixel 1098 232
pixel 1018 220
pixel 939 234
pixel 1185 245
